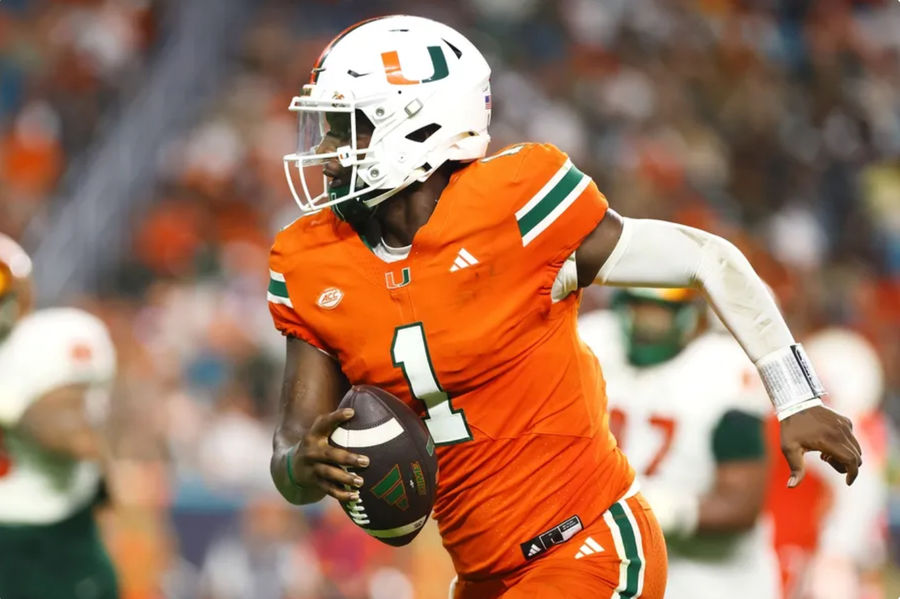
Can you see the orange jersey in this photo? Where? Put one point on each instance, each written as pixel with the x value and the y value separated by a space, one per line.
pixel 464 331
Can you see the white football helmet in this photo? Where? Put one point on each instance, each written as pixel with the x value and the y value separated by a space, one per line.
pixel 850 369
pixel 423 86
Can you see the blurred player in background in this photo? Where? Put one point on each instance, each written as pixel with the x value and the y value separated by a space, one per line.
pixel 56 367
pixel 832 543
pixel 684 411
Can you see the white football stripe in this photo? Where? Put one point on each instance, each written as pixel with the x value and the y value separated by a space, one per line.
pixel 465 255
pixel 367 437
pixel 277 299
pixel 389 533
pixel 534 201
pixel 559 209
pixel 276 276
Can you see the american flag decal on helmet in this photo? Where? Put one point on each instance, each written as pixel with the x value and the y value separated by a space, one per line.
pixel 487 102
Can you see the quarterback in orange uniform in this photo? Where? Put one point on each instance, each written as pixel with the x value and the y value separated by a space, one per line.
pixel 451 280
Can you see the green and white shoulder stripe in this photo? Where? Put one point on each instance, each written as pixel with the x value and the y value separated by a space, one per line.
pixel 278 293
pixel 551 201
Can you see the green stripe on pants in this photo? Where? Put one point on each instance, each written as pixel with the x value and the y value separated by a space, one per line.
pixel 631 550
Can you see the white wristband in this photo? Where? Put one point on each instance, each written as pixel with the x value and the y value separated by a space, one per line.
pixel 790 380
pixel 794 409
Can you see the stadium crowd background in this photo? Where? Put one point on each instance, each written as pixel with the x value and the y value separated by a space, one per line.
pixel 773 123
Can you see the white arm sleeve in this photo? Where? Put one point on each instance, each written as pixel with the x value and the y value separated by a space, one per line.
pixel 653 253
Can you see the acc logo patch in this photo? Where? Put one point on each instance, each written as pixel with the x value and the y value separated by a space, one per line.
pixel 330 298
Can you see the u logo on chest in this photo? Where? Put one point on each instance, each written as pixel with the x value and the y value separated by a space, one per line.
pixel 391 278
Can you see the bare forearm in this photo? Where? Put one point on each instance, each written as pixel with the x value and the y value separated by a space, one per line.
pixel 727 512
pixel 731 505
pixel 278 467
pixel 736 500
pixel 304 466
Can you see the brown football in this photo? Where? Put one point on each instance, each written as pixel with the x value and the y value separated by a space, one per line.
pixel 400 481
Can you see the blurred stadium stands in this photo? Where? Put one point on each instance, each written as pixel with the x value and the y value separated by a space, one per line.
pixel 773 123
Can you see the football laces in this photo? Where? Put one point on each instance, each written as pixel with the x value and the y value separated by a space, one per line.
pixel 357 511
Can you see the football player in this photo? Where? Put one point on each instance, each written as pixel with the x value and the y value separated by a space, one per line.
pixel 427 269
pixel 685 412
pixel 56 366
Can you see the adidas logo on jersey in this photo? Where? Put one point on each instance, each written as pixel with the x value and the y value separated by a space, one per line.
pixel 590 547
pixel 534 550
pixel 463 260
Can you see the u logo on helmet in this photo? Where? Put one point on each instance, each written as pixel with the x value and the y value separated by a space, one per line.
pixel 394 72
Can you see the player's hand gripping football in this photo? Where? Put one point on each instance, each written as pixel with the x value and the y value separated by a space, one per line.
pixel 317 464
pixel 824 430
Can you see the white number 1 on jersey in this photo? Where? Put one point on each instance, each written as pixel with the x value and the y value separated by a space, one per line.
pixel 409 351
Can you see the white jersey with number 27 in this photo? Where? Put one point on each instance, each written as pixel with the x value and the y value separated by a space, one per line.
pixel 664 418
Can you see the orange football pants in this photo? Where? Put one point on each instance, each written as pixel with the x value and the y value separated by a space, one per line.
pixel 619 556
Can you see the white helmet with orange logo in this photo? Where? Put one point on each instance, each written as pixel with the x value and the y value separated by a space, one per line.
pixel 423 86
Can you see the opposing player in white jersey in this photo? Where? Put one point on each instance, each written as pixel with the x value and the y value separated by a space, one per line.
pixel 684 410
pixel 56 366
